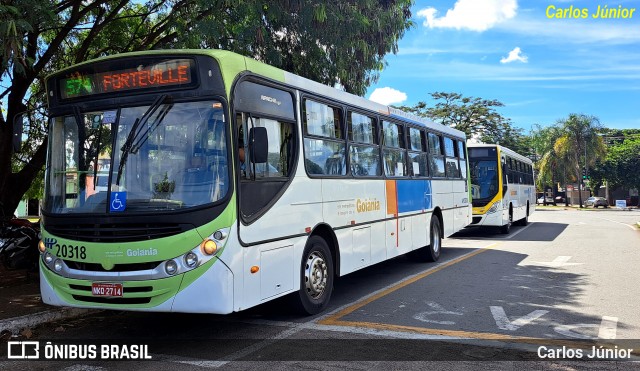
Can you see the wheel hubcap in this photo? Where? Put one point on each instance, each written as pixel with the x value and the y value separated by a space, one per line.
pixel 315 275
pixel 436 238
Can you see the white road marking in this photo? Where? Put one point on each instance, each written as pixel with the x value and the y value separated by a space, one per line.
pixel 503 323
pixel 608 327
pixel 437 309
pixel 570 331
pixel 560 261
pixel 613 221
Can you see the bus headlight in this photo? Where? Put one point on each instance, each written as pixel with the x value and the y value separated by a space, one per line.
pixel 48 258
pixel 191 259
pixel 171 267
pixel 493 208
pixel 57 265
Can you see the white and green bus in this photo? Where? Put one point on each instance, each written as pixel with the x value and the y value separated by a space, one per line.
pixel 502 187
pixel 231 183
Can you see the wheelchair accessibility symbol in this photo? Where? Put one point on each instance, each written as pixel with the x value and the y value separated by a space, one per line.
pixel 118 201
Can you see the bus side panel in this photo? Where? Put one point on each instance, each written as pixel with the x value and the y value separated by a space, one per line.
pixel 443 198
pixel 461 202
pixel 298 208
pixel 278 271
pixel 348 202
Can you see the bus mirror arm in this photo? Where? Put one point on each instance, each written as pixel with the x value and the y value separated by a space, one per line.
pixel 259 144
pixel 504 189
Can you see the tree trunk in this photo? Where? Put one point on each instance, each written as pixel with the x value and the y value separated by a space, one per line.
pixel 17 184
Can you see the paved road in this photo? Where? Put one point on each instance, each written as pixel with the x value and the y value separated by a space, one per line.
pixel 569 276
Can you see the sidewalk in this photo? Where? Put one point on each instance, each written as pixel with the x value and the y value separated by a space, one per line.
pixel 21 306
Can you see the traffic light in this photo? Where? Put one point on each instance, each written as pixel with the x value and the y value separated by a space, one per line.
pixel 584 173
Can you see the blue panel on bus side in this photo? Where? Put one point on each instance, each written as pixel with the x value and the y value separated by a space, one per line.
pixel 413 195
pixel 428 194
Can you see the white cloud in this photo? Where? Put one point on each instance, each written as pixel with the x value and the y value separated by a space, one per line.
pixel 474 15
pixel 515 55
pixel 387 96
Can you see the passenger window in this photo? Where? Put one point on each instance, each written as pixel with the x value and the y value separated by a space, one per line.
pixel 323 156
pixel 436 159
pixel 322 120
pixel 448 147
pixel 362 128
pixel 434 144
pixel 392 135
pixel 416 139
pixel 364 155
pixel 393 155
pixel 461 152
pixel 280 151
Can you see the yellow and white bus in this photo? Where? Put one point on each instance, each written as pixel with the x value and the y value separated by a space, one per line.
pixel 502 186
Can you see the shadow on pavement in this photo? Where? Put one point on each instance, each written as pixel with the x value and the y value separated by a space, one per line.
pixel 535 231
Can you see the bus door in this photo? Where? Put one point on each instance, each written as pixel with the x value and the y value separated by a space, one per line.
pixel 265 133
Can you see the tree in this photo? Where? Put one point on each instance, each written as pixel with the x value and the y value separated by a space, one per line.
pixel 622 164
pixel 548 164
pixel 579 146
pixel 330 42
pixel 476 117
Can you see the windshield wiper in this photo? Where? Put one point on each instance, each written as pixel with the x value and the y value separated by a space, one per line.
pixel 135 147
pixel 135 132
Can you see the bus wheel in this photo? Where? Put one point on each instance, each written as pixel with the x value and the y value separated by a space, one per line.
pixel 316 277
pixel 505 229
pixel 431 252
pixel 524 221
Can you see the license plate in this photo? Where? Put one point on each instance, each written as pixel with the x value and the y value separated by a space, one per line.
pixel 106 289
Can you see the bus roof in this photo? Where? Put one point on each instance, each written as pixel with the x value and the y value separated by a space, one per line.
pixel 226 58
pixel 503 149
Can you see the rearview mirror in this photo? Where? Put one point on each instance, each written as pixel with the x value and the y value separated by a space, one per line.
pixel 258 144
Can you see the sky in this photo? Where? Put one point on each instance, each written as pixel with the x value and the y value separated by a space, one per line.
pixel 542 65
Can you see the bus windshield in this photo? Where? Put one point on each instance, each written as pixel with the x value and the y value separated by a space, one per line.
pixel 137 159
pixel 484 179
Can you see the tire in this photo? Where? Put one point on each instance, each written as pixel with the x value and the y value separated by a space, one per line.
pixel 316 277
pixel 524 221
pixel 431 252
pixel 505 229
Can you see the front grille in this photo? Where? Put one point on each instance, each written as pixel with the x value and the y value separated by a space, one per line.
pixel 116 232
pixel 106 300
pixel 93 267
pixel 89 298
pixel 476 219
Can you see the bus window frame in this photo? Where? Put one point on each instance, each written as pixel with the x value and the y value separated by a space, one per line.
pixel 422 151
pixel 377 141
pixel 401 148
pixel 304 96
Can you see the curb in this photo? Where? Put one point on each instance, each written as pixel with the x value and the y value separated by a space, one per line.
pixel 14 325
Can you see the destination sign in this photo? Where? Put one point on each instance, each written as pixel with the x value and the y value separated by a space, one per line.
pixel 166 73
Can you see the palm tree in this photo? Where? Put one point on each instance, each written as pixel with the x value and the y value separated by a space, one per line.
pixel 548 166
pixel 579 144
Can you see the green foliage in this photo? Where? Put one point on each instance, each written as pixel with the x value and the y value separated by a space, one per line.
pixel 622 164
pixel 331 42
pixel 476 117
pixel 567 147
